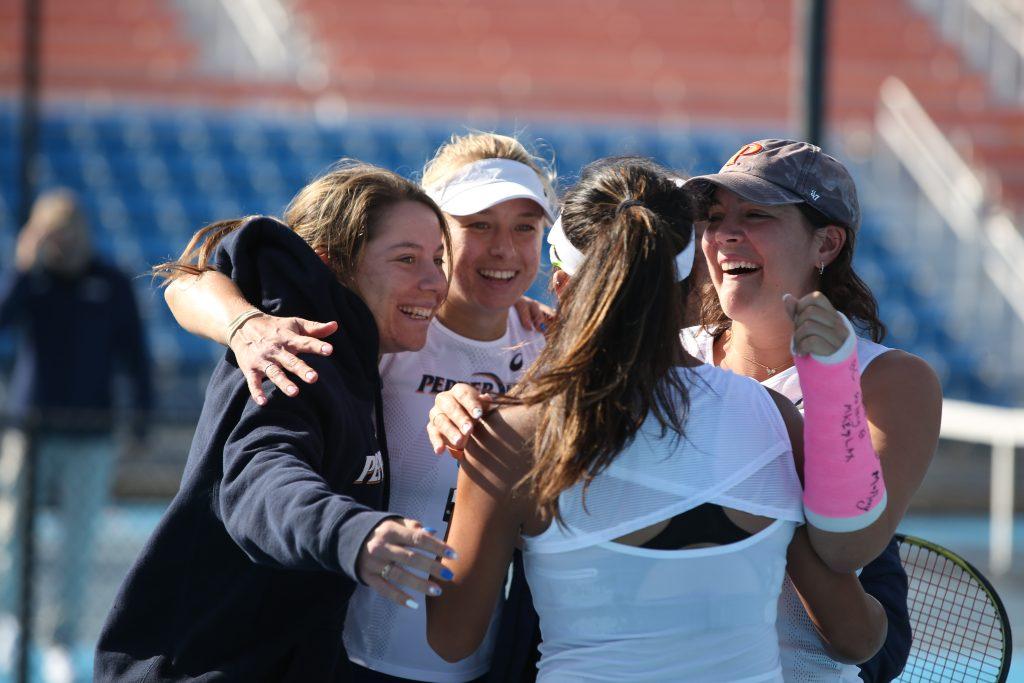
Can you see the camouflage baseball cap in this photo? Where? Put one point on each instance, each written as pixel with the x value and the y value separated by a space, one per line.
pixel 774 172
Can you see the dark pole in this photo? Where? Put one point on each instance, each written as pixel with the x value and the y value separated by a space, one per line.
pixel 815 34
pixel 26 528
pixel 26 163
pixel 29 133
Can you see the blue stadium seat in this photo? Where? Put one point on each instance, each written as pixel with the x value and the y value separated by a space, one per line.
pixel 149 178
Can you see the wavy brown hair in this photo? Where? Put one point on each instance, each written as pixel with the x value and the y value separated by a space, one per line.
pixel 840 283
pixel 335 214
pixel 610 354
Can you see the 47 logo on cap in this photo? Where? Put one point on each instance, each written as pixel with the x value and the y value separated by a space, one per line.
pixel 745 151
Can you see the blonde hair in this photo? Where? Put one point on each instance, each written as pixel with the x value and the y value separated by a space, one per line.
pixel 57 210
pixel 334 214
pixel 466 149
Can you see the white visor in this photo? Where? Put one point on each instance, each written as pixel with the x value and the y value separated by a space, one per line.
pixel 568 258
pixel 487 182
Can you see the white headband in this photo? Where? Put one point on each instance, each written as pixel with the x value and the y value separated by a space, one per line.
pixel 482 184
pixel 569 258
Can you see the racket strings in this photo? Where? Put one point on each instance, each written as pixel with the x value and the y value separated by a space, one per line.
pixel 958 634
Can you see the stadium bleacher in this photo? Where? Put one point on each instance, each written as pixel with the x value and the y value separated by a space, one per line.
pixel 157 141
pixel 149 178
pixel 150 175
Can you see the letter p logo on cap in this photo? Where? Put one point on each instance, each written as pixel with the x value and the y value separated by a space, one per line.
pixel 745 151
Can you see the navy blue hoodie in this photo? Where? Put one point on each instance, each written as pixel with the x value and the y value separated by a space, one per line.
pixel 248 574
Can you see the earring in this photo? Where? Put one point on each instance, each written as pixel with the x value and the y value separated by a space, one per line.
pixel 821 268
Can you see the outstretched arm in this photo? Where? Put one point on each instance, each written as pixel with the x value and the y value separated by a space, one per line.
pixel 279 510
pixel 264 346
pixel 489 513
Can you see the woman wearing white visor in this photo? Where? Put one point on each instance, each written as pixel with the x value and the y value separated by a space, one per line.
pixel 498 199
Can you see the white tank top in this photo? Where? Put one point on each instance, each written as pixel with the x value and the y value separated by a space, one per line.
pixel 378 634
pixel 803 658
pixel 610 612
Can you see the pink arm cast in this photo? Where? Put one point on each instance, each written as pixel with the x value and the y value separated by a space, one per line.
pixel 844 489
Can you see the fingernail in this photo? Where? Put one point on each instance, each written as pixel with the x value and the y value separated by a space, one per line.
pixel 291 391
pixel 447 574
pixel 433 591
pixel 466 427
pixel 430 530
pixel 451 554
pixel 310 375
pixel 261 401
pixel 478 412
pixel 543 327
pixel 326 349
pixel 412 604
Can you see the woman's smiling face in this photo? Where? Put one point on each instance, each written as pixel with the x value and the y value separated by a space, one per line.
pixel 757 253
pixel 400 275
pixel 496 255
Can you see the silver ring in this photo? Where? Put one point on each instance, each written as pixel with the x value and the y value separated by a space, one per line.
pixel 385 571
pixel 266 370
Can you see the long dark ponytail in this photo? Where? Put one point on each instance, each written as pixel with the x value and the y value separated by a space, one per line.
pixel 609 359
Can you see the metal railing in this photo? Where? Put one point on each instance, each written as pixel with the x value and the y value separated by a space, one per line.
pixel 990 33
pixel 966 247
pixel 1003 430
pixel 950 227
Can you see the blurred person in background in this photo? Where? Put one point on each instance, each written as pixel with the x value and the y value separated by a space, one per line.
pixel 497 198
pixel 77 322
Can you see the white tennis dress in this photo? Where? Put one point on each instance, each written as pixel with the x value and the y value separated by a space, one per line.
pixel 380 635
pixel 803 657
pixel 611 612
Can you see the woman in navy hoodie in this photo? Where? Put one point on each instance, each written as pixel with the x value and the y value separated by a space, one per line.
pixel 248 575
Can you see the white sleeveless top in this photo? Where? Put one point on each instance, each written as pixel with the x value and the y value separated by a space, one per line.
pixel 611 612
pixel 380 635
pixel 803 658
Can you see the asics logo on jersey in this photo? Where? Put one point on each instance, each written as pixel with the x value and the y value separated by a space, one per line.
pixel 487 383
pixel 517 363
pixel 373 470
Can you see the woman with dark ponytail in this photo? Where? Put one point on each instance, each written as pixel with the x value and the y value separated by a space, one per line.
pixel 655 497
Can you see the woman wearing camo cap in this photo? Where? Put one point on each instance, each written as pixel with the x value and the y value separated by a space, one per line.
pixel 781 223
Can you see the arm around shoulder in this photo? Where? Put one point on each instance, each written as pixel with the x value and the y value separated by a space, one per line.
pixel 489 513
pixel 205 304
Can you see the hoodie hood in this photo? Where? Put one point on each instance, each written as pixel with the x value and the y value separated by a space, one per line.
pixel 276 270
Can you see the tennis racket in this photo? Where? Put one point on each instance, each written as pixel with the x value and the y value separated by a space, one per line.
pixel 961 630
